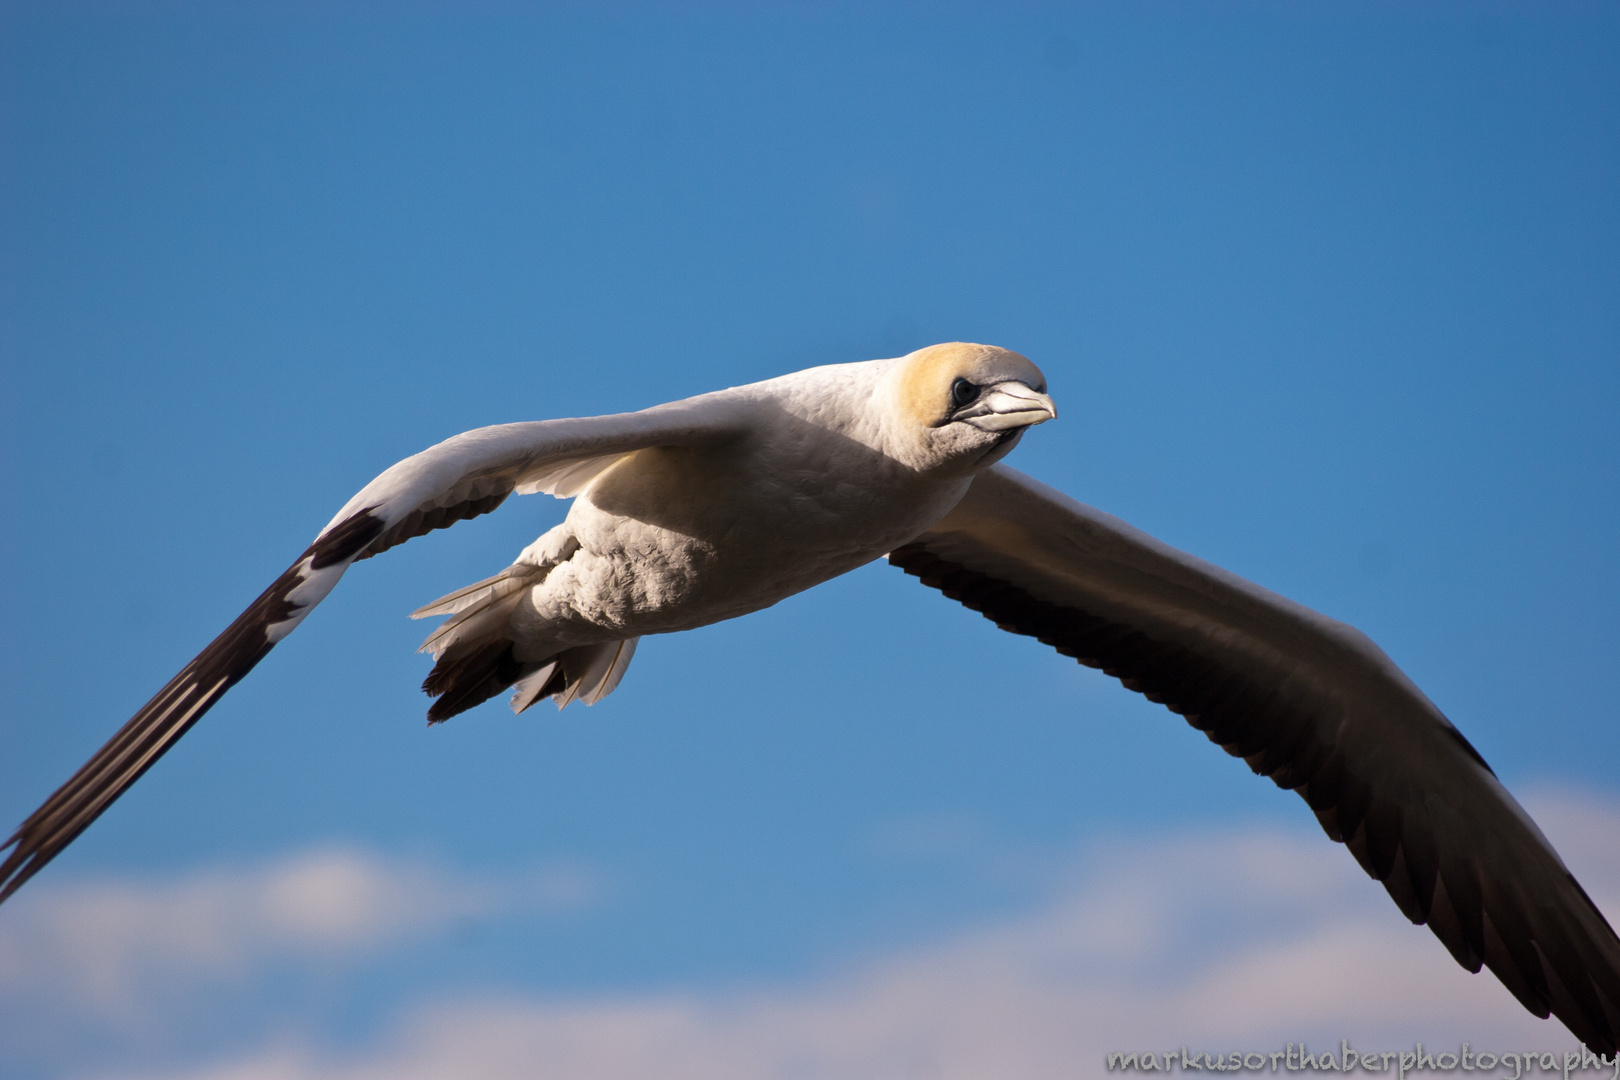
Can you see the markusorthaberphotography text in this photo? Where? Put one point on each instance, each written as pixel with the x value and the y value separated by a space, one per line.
pixel 1298 1057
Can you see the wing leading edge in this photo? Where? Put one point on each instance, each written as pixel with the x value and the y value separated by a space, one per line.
pixel 1307 701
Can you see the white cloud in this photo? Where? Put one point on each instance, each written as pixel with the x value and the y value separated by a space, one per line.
pixel 105 948
pixel 1238 940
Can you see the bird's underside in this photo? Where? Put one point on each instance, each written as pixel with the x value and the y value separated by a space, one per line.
pixel 1307 701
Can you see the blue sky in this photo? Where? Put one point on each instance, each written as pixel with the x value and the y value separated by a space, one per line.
pixel 1327 294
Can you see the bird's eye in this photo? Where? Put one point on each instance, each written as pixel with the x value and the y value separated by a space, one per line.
pixel 963 392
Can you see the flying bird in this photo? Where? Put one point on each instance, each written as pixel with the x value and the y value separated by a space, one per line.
pixel 723 504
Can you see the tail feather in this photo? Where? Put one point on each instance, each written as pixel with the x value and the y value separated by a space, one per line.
pixel 489 590
pixel 618 661
pixel 470 679
pixel 478 611
pixel 586 673
pixel 543 682
pixel 471 628
pixel 475 658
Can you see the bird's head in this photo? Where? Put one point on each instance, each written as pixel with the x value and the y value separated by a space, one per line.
pixel 960 407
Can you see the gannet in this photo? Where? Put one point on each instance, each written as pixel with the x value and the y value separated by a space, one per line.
pixel 723 504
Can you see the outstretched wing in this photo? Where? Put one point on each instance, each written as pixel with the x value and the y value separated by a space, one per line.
pixel 1311 703
pixel 460 478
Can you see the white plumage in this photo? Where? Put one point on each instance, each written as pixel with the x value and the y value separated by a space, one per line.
pixel 701 510
pixel 723 504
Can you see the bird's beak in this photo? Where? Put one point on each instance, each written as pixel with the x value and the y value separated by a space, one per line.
pixel 1008 405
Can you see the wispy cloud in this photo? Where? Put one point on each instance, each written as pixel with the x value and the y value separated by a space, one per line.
pixel 105 948
pixel 1220 941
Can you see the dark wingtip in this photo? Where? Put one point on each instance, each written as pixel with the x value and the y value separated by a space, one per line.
pixel 1554 961
pixel 155 728
pixel 15 870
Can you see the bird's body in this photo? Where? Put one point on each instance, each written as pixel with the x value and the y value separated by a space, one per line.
pixel 670 538
pixel 713 507
pixel 805 477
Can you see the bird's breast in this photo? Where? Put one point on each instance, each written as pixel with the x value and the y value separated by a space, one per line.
pixel 673 538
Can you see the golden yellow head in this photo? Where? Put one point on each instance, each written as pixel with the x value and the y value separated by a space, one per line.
pixel 965 405
pixel 938 384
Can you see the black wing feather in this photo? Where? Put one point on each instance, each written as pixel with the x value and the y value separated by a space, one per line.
pixel 172 711
pixel 1560 957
